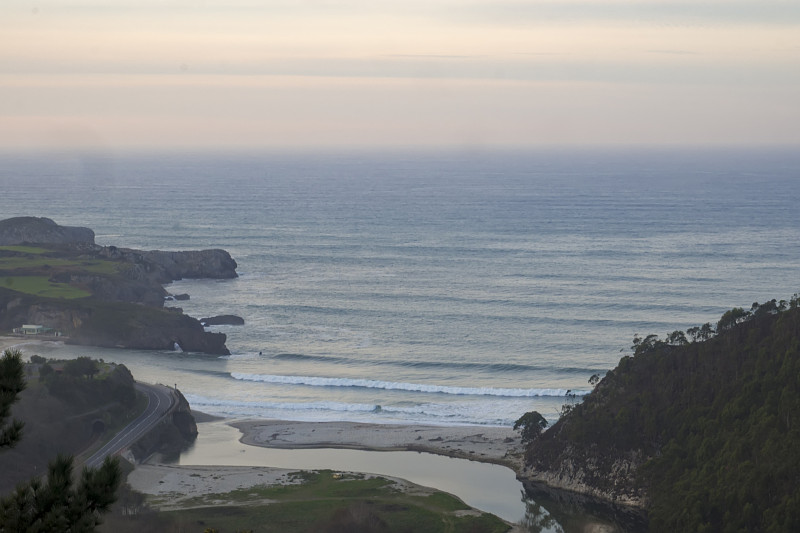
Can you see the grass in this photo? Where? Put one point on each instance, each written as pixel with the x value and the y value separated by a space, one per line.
pixel 41 262
pixel 328 501
pixel 41 286
pixel 24 249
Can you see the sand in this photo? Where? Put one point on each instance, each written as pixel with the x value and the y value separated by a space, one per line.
pixel 480 443
pixel 11 342
pixel 178 487
pixel 25 344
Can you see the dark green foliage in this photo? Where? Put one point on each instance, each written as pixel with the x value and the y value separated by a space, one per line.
pixel 713 426
pixel 38 360
pixel 732 317
pixel 54 505
pixel 12 382
pixel 57 505
pixel 82 366
pixel 532 424
pixel 72 386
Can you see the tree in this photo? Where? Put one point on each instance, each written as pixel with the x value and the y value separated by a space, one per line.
pixel 12 382
pixel 677 338
pixel 38 359
pixel 532 424
pixel 57 504
pixel 731 318
pixel 82 366
pixel 54 505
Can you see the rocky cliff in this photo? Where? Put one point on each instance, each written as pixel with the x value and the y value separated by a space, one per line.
pixel 111 324
pixel 116 278
pixel 40 230
pixel 175 433
pixel 165 267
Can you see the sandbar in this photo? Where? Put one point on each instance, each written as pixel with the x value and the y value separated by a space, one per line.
pixel 487 444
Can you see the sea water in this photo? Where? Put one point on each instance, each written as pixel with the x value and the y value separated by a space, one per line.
pixel 440 288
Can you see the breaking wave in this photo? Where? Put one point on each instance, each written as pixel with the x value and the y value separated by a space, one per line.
pixel 314 381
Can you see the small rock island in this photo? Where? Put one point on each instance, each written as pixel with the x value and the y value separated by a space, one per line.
pixel 56 276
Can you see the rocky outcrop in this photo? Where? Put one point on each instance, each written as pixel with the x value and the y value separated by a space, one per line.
pixel 210 264
pixel 132 277
pixel 223 320
pixel 142 328
pixel 597 476
pixel 166 267
pixel 175 433
pixel 40 230
pixel 116 289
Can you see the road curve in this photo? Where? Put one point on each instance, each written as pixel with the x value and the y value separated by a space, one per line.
pixel 159 401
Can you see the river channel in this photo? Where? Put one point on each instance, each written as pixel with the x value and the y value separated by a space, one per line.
pixel 487 487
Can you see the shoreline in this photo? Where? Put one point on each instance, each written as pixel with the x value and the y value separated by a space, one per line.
pixel 486 444
pixel 171 485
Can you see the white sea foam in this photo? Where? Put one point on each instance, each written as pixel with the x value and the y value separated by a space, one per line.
pixel 447 414
pixel 316 381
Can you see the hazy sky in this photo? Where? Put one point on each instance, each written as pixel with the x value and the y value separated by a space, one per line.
pixel 122 74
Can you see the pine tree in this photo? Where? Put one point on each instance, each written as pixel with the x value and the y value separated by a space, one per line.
pixel 12 382
pixel 55 504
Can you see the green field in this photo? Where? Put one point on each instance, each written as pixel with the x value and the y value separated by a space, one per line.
pixel 42 262
pixel 24 249
pixel 320 501
pixel 41 286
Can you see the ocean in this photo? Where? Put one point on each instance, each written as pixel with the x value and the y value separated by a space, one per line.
pixel 450 288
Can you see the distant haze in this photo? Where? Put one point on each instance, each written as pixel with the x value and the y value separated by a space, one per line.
pixel 323 73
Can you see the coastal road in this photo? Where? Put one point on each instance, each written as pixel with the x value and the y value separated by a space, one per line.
pixel 160 400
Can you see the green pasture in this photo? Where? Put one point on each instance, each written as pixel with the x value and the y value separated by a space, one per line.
pixel 36 260
pixel 39 262
pixel 327 501
pixel 40 286
pixel 24 249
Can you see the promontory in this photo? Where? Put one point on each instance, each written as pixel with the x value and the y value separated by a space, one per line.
pixel 58 280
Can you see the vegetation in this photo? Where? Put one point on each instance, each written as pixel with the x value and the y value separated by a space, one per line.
pixel 531 425
pixel 56 504
pixel 28 258
pixel 710 423
pixel 24 249
pixel 321 501
pixel 12 382
pixel 42 286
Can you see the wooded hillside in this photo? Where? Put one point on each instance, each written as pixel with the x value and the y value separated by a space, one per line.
pixel 705 429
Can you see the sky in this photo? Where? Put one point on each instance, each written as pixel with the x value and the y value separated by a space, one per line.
pixel 255 74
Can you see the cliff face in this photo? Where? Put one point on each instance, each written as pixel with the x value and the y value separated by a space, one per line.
pixel 116 278
pixel 121 288
pixel 172 436
pixel 588 471
pixel 111 324
pixel 40 230
pixel 165 267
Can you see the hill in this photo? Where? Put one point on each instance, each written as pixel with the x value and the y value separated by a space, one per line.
pixel 65 412
pixel 701 430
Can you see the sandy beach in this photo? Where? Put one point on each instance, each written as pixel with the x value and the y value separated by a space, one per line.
pixel 10 342
pixel 480 443
pixel 24 343
pixel 172 487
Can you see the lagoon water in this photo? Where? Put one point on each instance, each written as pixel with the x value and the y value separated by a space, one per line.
pixel 484 486
pixel 438 288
